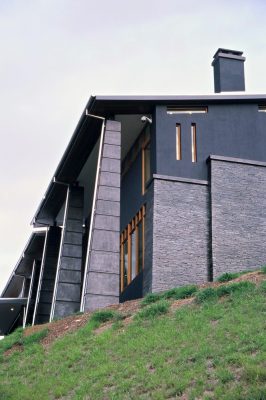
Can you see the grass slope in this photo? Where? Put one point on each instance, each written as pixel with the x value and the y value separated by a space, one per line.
pixel 213 348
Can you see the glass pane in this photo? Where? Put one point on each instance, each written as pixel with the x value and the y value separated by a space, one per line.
pixel 125 262
pixel 133 254
pixel 147 157
pixel 140 247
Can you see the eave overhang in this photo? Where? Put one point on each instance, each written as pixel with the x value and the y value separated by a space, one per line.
pixel 10 310
pixel 32 251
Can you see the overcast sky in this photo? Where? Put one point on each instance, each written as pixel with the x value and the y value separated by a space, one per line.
pixel 56 53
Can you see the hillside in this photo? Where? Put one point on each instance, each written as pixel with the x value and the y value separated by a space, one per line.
pixel 188 343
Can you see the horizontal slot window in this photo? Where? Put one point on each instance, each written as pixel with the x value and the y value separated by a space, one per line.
pixel 186 110
pixel 262 108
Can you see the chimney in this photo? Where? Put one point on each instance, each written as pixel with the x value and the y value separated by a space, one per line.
pixel 228 69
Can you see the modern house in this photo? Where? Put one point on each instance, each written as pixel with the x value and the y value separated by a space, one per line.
pixel 152 192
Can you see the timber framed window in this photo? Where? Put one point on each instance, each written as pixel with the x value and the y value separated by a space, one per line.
pixel 146 164
pixel 132 249
pixel 178 142
pixel 193 143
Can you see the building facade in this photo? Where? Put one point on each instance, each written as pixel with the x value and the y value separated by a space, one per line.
pixel 151 193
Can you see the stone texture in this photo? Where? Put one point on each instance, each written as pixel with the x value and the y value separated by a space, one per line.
pixel 180 234
pixel 106 207
pixel 105 240
pixel 110 179
pixel 112 137
pixel 67 291
pixel 112 151
pixel 148 254
pixel 104 262
pixel 106 283
pixel 109 193
pixel 107 222
pixel 238 208
pixel 93 301
pixel 63 308
pixel 102 281
pixel 111 165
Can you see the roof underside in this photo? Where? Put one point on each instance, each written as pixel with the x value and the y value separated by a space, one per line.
pixel 10 310
pixel 32 251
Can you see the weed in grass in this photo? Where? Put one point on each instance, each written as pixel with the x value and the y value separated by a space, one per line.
pixel 228 276
pixel 151 298
pixel 225 290
pixel 10 340
pixel 262 286
pixel 35 337
pixel 182 292
pixel 255 373
pixel 224 375
pixel 102 316
pixel 263 269
pixel 154 310
pixel 206 295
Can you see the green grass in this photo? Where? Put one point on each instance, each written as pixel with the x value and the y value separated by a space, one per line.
pixel 211 350
pixel 179 293
pixel 102 316
pixel 182 292
pixel 213 293
pixel 154 310
pixel 263 269
pixel 151 298
pixel 228 276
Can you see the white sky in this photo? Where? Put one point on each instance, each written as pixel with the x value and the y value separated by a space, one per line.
pixel 56 53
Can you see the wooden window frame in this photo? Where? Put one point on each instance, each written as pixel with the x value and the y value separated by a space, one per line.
pixel 178 142
pixel 126 235
pixel 193 142
pixel 143 163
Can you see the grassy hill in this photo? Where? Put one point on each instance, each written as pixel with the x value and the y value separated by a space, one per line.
pixel 187 343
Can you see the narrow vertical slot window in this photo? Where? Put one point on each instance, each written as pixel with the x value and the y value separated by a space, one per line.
pixel 133 251
pixel 146 166
pixel 140 246
pixel 132 247
pixel 178 142
pixel 124 259
pixel 193 143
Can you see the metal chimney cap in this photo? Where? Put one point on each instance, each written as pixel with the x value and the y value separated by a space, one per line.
pixel 227 53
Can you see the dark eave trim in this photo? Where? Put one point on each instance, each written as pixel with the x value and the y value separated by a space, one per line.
pixel 65 156
pixel 24 252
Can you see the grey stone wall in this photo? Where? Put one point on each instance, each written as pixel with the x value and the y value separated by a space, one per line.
pixel 180 233
pixel 47 277
pixel 102 285
pixel 148 251
pixel 68 290
pixel 238 207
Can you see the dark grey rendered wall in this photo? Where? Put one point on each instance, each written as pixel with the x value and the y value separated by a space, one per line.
pixel 102 287
pixel 238 207
pixel 231 130
pixel 68 290
pixel 180 233
pixel 132 200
